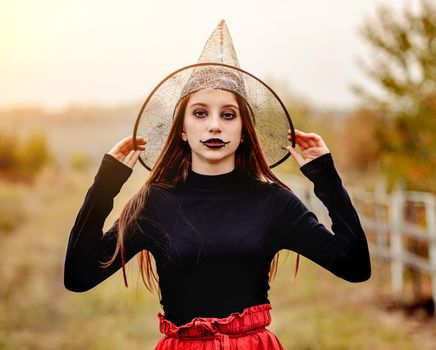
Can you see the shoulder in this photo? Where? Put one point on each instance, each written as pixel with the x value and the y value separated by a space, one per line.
pixel 273 192
pixel 160 190
pixel 282 193
pixel 158 200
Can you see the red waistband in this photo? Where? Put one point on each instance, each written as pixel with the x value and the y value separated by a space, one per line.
pixel 251 319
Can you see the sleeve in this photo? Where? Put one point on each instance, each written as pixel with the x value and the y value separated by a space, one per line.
pixel 344 252
pixel 88 245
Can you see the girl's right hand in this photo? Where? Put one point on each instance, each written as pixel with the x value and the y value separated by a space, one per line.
pixel 311 144
pixel 122 149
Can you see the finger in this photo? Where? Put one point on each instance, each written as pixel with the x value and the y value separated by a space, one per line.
pixel 121 150
pixel 129 146
pixel 125 151
pixel 140 144
pixel 133 158
pixel 120 146
pixel 310 136
pixel 321 143
pixel 300 137
pixel 139 140
pixel 125 141
pixel 303 143
pixel 307 135
pixel 300 142
pixel 317 141
pixel 297 157
pixel 311 142
pixel 312 139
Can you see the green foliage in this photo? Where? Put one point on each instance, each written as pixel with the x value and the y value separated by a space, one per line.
pixel 403 64
pixel 404 68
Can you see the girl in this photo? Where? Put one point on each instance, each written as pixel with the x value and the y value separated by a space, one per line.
pixel 214 217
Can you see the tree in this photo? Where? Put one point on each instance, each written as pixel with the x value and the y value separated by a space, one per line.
pixel 34 153
pixel 403 67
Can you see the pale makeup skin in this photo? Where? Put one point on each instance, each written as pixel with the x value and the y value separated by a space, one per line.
pixel 212 114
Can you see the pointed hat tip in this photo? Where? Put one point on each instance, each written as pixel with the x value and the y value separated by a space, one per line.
pixel 222 23
pixel 219 47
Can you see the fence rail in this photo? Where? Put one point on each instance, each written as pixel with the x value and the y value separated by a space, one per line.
pixel 400 226
pixel 406 237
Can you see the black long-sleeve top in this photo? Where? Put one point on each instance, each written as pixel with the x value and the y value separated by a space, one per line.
pixel 213 237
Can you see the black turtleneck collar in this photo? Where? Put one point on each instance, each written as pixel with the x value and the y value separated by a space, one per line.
pixel 213 182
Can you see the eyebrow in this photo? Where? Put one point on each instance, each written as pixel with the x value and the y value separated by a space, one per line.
pixel 205 105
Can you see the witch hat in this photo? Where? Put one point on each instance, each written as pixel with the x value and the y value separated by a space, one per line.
pixel 216 68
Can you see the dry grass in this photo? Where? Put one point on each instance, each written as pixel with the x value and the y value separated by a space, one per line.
pixel 11 206
pixel 316 311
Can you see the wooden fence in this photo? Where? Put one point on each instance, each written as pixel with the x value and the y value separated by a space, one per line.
pixel 400 226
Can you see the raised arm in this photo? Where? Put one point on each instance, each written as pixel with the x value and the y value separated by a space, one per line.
pixel 344 252
pixel 88 244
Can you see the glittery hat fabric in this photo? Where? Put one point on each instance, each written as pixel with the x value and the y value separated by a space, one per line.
pixel 217 68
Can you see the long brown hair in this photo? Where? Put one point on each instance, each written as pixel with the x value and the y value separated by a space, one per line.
pixel 172 167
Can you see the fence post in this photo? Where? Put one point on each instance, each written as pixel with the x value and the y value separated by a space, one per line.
pixel 431 227
pixel 379 199
pixel 396 246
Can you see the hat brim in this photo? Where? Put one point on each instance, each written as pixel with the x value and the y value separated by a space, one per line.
pixel 270 117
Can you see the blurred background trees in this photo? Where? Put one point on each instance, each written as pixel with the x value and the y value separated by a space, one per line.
pixel 394 133
pixel 21 159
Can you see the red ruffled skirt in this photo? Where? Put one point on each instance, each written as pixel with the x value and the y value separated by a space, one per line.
pixel 239 331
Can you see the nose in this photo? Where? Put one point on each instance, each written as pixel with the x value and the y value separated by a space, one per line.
pixel 214 123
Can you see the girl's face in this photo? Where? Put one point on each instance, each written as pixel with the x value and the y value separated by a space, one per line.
pixel 212 126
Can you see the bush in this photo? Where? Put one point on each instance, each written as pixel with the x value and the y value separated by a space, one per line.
pixel 8 151
pixel 23 158
pixel 34 153
pixel 79 160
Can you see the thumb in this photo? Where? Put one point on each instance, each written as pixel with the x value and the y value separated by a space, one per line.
pixel 297 157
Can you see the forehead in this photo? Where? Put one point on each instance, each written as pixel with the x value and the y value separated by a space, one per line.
pixel 212 97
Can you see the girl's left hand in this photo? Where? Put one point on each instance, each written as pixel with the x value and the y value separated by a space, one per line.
pixel 311 144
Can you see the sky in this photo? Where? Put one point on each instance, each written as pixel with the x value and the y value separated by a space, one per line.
pixel 55 53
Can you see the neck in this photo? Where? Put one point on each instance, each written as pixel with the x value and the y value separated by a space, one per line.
pixel 212 168
pixel 228 180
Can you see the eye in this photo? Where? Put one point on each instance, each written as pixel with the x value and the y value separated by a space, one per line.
pixel 200 113
pixel 229 115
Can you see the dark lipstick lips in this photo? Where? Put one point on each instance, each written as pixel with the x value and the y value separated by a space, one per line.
pixel 214 143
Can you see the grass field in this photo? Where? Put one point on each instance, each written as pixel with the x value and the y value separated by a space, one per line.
pixel 316 311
